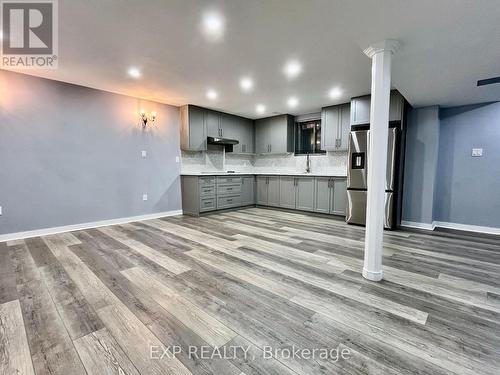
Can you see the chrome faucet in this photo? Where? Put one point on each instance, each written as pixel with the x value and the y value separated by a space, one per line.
pixel 308 164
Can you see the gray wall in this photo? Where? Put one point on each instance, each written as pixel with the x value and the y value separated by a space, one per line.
pixel 422 145
pixel 71 154
pixel 468 187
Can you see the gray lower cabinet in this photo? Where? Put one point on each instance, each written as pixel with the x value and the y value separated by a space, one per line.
pixel 273 191
pixel 339 200
pixel 323 195
pixel 268 191
pixel 287 192
pixel 247 190
pixel 304 190
pixel 261 182
pixel 228 192
pixel 330 195
pixel 208 193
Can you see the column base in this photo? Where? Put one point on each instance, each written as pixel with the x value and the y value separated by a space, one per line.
pixel 373 276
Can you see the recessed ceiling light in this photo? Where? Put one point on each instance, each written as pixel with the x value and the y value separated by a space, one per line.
pixel 212 94
pixel 213 25
pixel 134 72
pixel 246 84
pixel 260 108
pixel 292 69
pixel 334 93
pixel 292 102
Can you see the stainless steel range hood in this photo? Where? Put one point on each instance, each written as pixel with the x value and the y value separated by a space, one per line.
pixel 221 141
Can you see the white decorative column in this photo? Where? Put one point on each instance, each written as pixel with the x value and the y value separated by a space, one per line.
pixel 381 55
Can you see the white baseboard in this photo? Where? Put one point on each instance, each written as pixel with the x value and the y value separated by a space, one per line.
pixel 417 225
pixel 82 226
pixel 455 226
pixel 468 228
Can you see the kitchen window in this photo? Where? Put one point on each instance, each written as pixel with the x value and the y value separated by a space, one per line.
pixel 308 137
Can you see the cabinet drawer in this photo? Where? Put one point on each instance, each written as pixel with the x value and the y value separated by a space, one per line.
pixel 207 190
pixel 228 180
pixel 204 181
pixel 228 189
pixel 229 201
pixel 207 204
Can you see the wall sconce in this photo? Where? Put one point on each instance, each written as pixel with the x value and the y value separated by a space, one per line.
pixel 147 119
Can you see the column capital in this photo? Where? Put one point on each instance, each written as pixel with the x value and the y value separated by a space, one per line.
pixel 391 45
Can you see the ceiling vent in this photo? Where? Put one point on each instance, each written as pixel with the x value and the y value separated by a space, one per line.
pixel 489 81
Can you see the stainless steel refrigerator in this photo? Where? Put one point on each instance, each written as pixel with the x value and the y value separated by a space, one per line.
pixel 357 178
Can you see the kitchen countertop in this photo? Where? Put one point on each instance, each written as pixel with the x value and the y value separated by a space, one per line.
pixel 303 174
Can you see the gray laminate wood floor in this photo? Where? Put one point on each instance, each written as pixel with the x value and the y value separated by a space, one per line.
pixel 238 292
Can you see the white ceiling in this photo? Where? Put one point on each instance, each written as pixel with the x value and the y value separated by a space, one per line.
pixel 447 46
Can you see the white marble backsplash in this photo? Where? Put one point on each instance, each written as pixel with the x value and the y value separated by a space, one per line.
pixel 333 163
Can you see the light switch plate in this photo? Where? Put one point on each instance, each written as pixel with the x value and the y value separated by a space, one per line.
pixel 144 154
pixel 144 197
pixel 476 152
pixel 1 212
pixel 177 159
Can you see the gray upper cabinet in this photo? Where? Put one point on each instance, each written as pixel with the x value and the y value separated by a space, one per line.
pixel 273 191
pixel 199 123
pixel 212 123
pixel 193 135
pixel 261 137
pixel 360 108
pixel 396 106
pixel 335 127
pixel 345 127
pixel 274 135
pixel 304 193
pixel 247 136
pixel 241 129
pixel 287 192
pixel 247 190
pixel 329 125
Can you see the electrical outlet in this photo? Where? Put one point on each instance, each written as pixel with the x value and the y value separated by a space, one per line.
pixel 477 152
pixel 144 154
pixel 144 197
pixel 177 159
